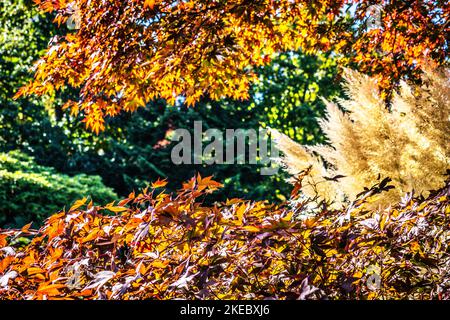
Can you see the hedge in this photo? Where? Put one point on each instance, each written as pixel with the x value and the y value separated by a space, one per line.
pixel 30 192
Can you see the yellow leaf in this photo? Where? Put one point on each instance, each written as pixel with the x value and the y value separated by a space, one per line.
pixel 251 229
pixel 78 204
pixel 288 217
pixel 91 236
pixel 282 248
pixel 240 212
pixel 116 209
pixel 159 264
pixel 383 221
pixel 232 201
pixel 34 270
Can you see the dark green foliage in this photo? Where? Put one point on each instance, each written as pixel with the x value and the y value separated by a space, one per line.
pixel 287 96
pixel 29 192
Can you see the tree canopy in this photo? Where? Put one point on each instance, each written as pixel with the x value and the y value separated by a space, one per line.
pixel 128 52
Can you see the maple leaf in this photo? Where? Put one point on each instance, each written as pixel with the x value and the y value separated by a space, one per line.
pixel 159 183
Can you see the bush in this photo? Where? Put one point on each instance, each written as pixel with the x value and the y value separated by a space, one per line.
pixel 166 246
pixel 29 192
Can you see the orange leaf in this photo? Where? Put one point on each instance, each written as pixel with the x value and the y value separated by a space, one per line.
pixel 159 264
pixel 208 183
pixel 149 4
pixel 4 263
pixel 56 253
pixel 86 292
pixel 26 227
pixel 240 212
pixel 39 276
pixel 50 290
pixel 142 269
pixel 159 183
pixel 34 270
pixel 3 241
pixel 55 229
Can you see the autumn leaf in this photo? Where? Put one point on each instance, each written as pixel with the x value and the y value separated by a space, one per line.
pixel 35 270
pixel 240 213
pixel 251 228
pixel 26 227
pixel 159 183
pixel 159 264
pixel 49 289
pixel 116 208
pixel 208 183
pixel 3 241
pixel 91 236
pixel 5 262
pixel 235 250
pixel 78 204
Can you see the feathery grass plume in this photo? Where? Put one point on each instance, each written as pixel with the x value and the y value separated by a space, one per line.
pixel 408 142
pixel 296 159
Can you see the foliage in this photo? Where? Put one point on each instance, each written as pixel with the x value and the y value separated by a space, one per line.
pixel 166 246
pixel 34 125
pixel 24 37
pixel 29 192
pixel 162 244
pixel 407 143
pixel 126 53
pixel 286 94
pixel 134 149
pixel 22 40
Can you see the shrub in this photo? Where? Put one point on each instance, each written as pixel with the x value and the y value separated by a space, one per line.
pixel 407 142
pixel 29 192
pixel 166 246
